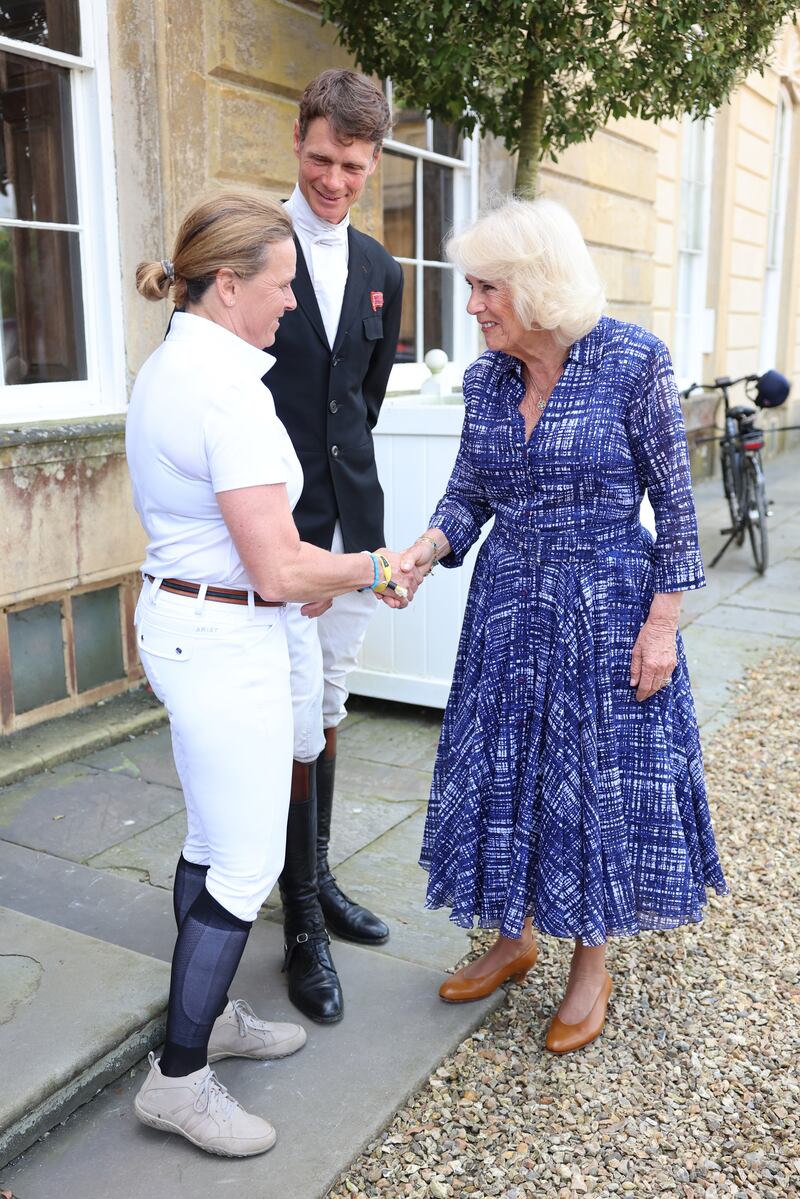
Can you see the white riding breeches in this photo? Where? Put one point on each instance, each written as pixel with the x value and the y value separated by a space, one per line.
pixel 222 672
pixel 323 652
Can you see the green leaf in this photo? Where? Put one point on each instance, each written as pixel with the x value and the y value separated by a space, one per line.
pixel 597 59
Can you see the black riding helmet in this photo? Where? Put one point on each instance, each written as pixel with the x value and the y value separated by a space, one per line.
pixel 772 390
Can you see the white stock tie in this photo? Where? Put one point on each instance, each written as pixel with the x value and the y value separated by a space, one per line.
pixel 329 276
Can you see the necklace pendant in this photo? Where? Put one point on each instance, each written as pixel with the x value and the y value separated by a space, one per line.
pixel 540 405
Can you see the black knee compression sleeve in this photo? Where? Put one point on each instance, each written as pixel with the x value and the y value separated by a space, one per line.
pixel 210 944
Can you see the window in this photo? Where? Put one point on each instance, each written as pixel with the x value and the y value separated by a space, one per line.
pixel 66 651
pixel 60 305
pixel 429 184
pixel 776 225
pixel 693 331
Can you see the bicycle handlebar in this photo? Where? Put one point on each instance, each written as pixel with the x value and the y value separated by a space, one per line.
pixel 721 384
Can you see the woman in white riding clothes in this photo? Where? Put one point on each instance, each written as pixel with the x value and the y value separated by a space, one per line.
pixel 214 481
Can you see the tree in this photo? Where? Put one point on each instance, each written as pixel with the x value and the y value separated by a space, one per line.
pixel 543 74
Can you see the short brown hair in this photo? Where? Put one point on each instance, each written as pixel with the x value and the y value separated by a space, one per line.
pixel 231 229
pixel 354 107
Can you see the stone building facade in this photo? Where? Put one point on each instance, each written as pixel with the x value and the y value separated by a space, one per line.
pixel 117 114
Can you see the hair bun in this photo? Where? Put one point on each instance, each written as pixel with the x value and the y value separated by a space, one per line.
pixel 154 279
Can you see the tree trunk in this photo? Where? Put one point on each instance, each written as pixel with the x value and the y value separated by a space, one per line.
pixel 530 138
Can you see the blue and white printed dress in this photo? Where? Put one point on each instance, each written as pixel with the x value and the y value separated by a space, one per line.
pixel 555 794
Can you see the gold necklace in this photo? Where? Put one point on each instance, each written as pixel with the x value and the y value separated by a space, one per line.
pixel 542 395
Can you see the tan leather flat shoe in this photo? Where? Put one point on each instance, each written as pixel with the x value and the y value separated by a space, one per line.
pixel 563 1038
pixel 458 989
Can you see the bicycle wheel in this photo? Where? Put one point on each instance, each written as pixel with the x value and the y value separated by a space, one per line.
pixel 732 494
pixel 756 513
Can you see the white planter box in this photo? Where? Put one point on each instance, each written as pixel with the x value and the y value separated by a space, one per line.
pixel 409 656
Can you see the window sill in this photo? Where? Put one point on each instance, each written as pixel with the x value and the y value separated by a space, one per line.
pixel 50 432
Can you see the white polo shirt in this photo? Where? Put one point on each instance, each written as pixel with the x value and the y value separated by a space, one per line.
pixel 200 422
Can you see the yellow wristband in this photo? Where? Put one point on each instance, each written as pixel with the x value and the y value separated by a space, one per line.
pixel 387 575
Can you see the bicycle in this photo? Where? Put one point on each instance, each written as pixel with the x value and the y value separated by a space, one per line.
pixel 740 449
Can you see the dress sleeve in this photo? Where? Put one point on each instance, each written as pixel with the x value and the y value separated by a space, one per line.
pixel 464 508
pixel 657 436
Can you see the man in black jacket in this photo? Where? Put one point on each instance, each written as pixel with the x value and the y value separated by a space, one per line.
pixel 333 358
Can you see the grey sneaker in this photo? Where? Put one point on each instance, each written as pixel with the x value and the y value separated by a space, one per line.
pixel 239 1033
pixel 199 1108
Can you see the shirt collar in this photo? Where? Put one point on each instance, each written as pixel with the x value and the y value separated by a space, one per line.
pixel 186 326
pixel 314 226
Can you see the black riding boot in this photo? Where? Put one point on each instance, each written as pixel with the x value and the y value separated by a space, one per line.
pixel 343 917
pixel 314 985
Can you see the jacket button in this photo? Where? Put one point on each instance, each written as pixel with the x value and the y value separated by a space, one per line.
pixel 335 361
pixel 334 407
pixel 335 451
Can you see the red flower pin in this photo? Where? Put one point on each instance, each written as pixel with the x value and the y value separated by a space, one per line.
pixel 376 299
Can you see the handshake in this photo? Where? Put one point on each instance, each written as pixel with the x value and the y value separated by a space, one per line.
pixel 407 569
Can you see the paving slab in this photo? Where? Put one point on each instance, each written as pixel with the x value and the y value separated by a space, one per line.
pixel 775 591
pixel 359 820
pixel 742 618
pixel 94 902
pixel 357 777
pixel 385 874
pixel 326 1102
pixel 75 1014
pixel 147 757
pixel 148 857
pixel 396 740
pixel 720 586
pixel 75 812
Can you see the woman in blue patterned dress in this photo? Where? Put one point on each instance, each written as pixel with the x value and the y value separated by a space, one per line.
pixel 568 792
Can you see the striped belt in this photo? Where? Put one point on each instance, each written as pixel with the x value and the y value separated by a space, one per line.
pixel 220 595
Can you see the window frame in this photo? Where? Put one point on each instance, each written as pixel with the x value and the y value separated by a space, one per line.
pixel 769 349
pixel 128 586
pixel 693 327
pixel 104 390
pixel 408 376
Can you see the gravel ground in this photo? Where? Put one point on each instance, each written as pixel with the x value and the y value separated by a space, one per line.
pixel 694 1088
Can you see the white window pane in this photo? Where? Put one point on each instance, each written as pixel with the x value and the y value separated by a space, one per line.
pixel 437 204
pixel 410 125
pixel 447 140
pixel 37 175
pixel 407 341
pixel 51 23
pixel 399 204
pixel 769 350
pixel 438 303
pixel 41 306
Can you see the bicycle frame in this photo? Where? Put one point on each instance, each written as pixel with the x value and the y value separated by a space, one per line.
pixel 742 470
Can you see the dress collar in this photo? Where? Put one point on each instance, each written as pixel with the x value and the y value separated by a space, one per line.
pixel 587 351
pixel 188 327
pixel 313 226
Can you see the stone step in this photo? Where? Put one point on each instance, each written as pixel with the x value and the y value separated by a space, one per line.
pixel 75 1014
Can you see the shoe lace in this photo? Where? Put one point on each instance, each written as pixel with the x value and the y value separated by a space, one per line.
pixel 246 1017
pixel 214 1098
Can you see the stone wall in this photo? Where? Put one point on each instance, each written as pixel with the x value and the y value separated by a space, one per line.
pixel 68 530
